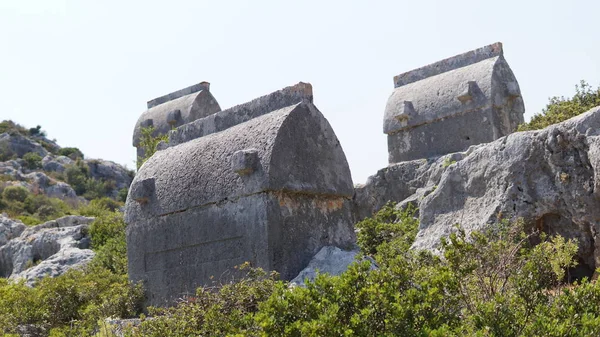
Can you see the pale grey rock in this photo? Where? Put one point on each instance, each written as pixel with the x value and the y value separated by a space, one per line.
pixel 49 249
pixel 118 326
pixel 329 260
pixel 272 190
pixel 33 330
pixel 452 104
pixel 40 182
pixel 20 145
pixel 550 178
pixel 61 190
pixel 12 168
pixel 175 109
pixel 107 170
pixel 53 163
pixel 9 229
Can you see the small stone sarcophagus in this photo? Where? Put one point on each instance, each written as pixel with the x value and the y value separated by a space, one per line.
pixel 452 104
pixel 175 109
pixel 265 182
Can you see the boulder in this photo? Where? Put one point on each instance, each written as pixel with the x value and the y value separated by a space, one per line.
pixel 50 249
pixel 39 181
pixel 9 229
pixel 108 170
pixel 20 145
pixel 11 168
pixel 550 178
pixel 329 260
pixel 53 163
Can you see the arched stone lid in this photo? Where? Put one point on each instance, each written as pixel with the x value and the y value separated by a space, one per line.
pixel 292 149
pixel 454 86
pixel 177 108
pixel 301 92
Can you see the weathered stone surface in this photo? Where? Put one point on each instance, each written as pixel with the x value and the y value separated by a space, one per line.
pixel 107 170
pixel 175 109
pixel 53 163
pixel 49 249
pixel 550 178
pixel 241 113
pixel 40 182
pixel 19 145
pixel 9 229
pixel 452 104
pixel 329 260
pixel 271 190
pixel 11 168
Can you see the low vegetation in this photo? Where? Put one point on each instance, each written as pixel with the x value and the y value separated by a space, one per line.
pixel 561 108
pixel 496 283
pixel 149 142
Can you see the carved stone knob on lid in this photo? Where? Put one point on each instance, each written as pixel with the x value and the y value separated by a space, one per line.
pixel 245 162
pixel 142 190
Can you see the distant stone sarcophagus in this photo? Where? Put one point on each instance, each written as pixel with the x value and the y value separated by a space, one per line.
pixel 265 182
pixel 175 109
pixel 452 104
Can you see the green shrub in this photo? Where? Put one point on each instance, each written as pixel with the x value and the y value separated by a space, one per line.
pixel 37 131
pixel 11 127
pixel 32 160
pixel 389 226
pixel 45 208
pixel 71 152
pixel 148 142
pixel 122 195
pixel 560 108
pixel 77 176
pixel 228 311
pixel 70 303
pixel 15 193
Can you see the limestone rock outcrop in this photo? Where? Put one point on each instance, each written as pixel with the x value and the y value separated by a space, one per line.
pixel 550 178
pixel 49 249
pixel 52 163
pixel 19 145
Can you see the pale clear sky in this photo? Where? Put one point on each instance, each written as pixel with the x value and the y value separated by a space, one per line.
pixel 84 69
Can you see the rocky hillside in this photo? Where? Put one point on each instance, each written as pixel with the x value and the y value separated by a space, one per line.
pixel 43 190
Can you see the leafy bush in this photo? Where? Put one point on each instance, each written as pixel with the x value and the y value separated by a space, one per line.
pixel 32 160
pixel 149 142
pixel 37 131
pixel 389 226
pixel 12 127
pixel 71 152
pixel 228 311
pixel 78 176
pixel 122 194
pixel 15 193
pixel 69 303
pixel 560 108
pixel 496 283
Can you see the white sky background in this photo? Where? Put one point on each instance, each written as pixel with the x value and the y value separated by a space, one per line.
pixel 84 70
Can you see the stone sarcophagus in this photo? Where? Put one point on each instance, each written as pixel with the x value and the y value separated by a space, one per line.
pixel 175 109
pixel 452 104
pixel 265 182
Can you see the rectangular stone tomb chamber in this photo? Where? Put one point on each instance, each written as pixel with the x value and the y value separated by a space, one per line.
pixel 449 105
pixel 264 182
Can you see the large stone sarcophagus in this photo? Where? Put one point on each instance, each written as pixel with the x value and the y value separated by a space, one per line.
pixel 175 109
pixel 265 182
pixel 452 104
